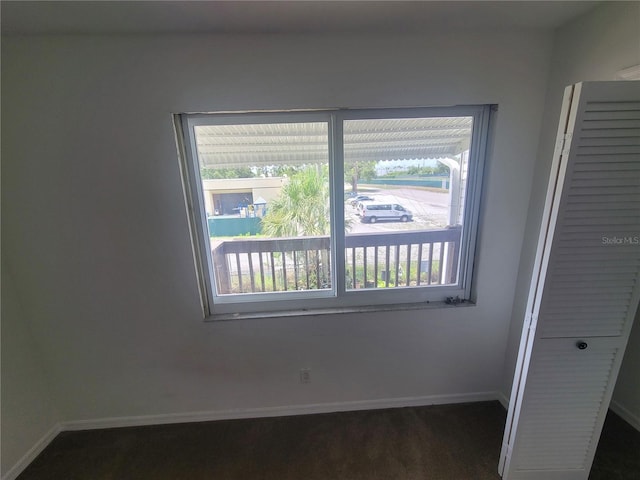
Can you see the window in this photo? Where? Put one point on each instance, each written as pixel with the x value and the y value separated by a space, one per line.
pixel 345 209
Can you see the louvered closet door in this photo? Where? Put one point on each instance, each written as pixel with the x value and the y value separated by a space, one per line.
pixel 560 423
pixel 585 289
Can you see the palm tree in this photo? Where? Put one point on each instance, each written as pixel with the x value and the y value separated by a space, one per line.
pixel 302 209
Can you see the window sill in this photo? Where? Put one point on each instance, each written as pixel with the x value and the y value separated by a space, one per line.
pixel 335 311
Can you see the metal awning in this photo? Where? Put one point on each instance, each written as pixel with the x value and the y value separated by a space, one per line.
pixel 248 145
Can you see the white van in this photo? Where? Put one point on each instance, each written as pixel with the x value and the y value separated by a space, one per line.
pixel 372 212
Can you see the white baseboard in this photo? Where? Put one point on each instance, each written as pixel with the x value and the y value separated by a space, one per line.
pixel 282 411
pixel 142 420
pixel 502 398
pixel 625 414
pixel 33 452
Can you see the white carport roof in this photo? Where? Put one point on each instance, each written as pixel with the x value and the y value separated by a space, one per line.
pixel 242 145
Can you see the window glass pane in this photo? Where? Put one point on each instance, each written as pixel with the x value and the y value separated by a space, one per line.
pixel 267 200
pixel 405 185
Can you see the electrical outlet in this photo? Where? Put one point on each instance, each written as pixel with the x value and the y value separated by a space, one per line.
pixel 305 375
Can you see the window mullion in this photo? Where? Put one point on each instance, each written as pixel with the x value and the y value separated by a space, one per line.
pixel 336 176
pixel 197 217
pixel 478 152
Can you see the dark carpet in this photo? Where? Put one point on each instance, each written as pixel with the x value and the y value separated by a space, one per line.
pixel 618 453
pixel 444 442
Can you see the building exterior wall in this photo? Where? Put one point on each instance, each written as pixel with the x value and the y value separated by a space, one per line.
pixel 267 188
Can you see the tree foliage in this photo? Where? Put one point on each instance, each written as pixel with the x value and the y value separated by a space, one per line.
pixel 440 169
pixel 302 208
pixel 215 173
pixel 281 170
pixel 356 171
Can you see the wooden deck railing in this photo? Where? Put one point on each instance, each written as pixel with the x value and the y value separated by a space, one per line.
pixel 373 260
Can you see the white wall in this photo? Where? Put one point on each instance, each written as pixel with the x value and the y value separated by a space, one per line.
pixel 626 396
pixel 95 221
pixel 28 412
pixel 593 47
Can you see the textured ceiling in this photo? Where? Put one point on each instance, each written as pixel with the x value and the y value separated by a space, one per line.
pixel 105 17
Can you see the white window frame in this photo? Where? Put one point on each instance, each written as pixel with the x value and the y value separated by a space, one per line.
pixel 338 298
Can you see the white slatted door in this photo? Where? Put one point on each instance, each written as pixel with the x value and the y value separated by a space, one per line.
pixel 559 423
pixel 585 288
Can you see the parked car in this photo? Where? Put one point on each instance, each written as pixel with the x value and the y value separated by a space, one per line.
pixel 360 198
pixel 372 212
